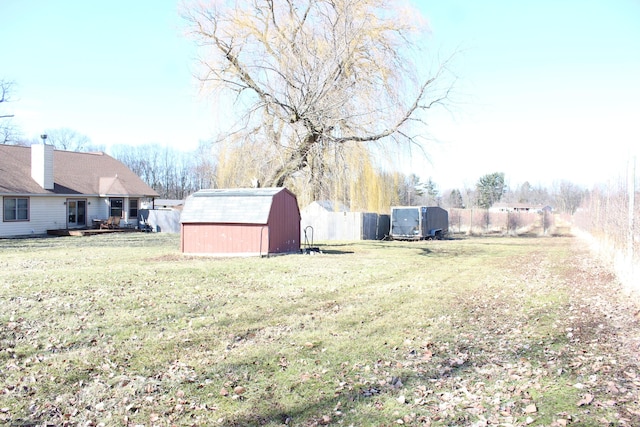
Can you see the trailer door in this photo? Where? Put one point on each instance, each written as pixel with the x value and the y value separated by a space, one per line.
pixel 405 223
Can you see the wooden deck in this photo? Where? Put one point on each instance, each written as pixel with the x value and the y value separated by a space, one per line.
pixel 90 231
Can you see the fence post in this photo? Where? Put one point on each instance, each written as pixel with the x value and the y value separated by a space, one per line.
pixel 631 185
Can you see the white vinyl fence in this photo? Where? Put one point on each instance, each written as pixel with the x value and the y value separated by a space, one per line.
pixel 343 226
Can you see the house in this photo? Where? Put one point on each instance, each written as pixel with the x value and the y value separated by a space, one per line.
pixel 519 207
pixel 240 222
pixel 46 189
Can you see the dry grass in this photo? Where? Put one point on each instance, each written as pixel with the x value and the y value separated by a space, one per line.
pixel 124 330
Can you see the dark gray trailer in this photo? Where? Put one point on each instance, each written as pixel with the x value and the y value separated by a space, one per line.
pixel 418 222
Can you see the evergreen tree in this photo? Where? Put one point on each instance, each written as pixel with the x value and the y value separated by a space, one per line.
pixel 490 189
pixel 455 199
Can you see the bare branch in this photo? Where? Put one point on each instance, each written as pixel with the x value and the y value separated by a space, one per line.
pixel 311 76
pixel 8 132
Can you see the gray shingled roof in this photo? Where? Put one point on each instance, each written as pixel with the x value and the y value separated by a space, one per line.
pixel 229 206
pixel 331 206
pixel 73 173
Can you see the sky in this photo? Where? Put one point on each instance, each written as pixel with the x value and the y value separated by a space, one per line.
pixel 545 91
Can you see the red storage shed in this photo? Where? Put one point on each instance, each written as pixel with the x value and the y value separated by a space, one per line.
pixel 240 222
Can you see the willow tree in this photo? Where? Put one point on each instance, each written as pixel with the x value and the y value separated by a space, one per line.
pixel 309 76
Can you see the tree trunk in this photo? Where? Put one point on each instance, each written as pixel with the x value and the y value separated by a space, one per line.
pixel 298 159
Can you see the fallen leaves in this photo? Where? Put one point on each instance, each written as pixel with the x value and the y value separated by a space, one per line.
pixel 238 392
pixel 535 345
pixel 501 386
pixel 586 400
pixel 326 420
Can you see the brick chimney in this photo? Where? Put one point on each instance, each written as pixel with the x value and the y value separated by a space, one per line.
pixel 42 165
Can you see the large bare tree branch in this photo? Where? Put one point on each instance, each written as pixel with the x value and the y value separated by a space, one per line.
pixel 312 75
pixel 5 93
pixel 8 131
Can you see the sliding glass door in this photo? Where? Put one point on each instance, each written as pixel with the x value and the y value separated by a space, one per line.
pixel 77 213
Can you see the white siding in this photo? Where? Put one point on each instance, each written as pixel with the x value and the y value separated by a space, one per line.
pixel 101 210
pixel 45 213
pixel 125 214
pixel 48 213
pixel 97 208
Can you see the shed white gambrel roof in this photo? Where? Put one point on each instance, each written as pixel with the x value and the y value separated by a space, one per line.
pixel 230 206
pixel 326 206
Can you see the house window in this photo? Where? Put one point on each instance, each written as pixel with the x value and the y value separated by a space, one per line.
pixel 133 208
pixel 16 209
pixel 116 207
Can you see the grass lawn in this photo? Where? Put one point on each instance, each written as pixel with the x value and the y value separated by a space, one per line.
pixel 124 330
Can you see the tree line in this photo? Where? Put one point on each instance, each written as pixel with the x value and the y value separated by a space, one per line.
pixel 359 184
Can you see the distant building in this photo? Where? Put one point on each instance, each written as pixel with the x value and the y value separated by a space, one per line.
pixel 519 207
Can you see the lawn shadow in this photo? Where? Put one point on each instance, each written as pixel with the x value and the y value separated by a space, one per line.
pixel 421 246
pixel 328 248
pixel 335 252
pixel 320 412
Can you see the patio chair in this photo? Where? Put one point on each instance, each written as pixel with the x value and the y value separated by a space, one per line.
pixel 116 222
pixel 107 223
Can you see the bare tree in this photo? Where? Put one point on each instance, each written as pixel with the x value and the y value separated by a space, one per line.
pixel 204 167
pixel 70 140
pixel 172 173
pixel 309 76
pixel 8 132
pixel 513 222
pixel 569 197
pixel 5 93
